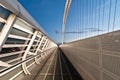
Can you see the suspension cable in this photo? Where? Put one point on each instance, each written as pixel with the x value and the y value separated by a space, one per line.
pixel 99 3
pixel 95 14
pixel 114 18
pixel 109 15
pixel 81 20
pixel 89 8
pixel 92 16
pixel 103 13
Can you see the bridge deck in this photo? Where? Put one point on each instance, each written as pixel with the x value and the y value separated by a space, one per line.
pixel 56 67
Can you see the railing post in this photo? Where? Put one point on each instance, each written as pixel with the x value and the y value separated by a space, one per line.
pixel 44 44
pixel 27 51
pixel 44 48
pixel 38 50
pixel 6 29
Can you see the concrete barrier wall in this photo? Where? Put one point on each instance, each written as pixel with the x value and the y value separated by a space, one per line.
pixel 96 58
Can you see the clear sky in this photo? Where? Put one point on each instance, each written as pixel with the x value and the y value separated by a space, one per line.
pixel 85 18
pixel 88 18
pixel 48 13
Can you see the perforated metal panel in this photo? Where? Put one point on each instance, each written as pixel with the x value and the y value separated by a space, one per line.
pixel 91 43
pixel 106 77
pixel 111 63
pixel 90 69
pixel 111 42
pixel 94 56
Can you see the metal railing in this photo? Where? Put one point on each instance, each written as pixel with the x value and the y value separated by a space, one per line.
pixel 20 43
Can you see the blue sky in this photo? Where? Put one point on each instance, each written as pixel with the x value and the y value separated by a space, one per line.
pixel 84 21
pixel 48 13
pixel 86 18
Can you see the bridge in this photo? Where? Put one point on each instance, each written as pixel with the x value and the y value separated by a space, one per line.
pixel 89 48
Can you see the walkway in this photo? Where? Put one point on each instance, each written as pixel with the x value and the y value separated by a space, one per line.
pixel 56 67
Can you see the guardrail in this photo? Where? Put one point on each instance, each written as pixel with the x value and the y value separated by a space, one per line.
pixel 20 42
pixel 28 59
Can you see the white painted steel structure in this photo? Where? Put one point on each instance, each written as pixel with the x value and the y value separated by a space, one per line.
pixel 67 6
pixel 23 43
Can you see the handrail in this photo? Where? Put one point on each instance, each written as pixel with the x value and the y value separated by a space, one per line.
pixel 23 61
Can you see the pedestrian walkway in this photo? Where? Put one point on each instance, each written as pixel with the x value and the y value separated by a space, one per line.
pixel 56 67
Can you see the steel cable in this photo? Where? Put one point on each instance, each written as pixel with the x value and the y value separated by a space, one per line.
pixel 109 15
pixel 114 18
